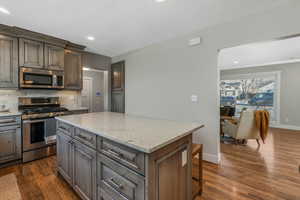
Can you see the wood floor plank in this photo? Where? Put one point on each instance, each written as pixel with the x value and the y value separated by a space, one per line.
pixel 246 172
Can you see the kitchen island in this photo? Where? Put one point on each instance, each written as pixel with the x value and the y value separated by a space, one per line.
pixel 108 156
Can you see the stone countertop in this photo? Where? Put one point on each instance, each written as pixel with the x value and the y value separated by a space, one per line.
pixel 10 113
pixel 144 134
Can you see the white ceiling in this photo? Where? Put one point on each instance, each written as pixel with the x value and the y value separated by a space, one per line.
pixel 260 54
pixel 120 26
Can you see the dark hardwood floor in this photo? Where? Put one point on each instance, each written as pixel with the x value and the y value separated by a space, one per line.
pixel 270 172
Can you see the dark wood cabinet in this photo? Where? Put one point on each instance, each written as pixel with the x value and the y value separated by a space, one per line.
pixel 54 57
pixel 31 53
pixel 10 143
pixel 95 61
pixel 64 156
pixel 118 87
pixel 8 62
pixel 118 76
pixel 73 70
pixel 76 163
pixel 84 171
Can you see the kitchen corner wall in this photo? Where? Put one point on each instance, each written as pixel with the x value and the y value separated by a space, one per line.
pixel 10 97
pixel 161 78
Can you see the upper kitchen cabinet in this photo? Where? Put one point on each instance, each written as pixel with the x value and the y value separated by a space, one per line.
pixel 54 57
pixel 31 53
pixel 118 76
pixel 8 62
pixel 73 70
pixel 95 61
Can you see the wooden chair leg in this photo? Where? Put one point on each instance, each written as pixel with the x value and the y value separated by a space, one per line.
pixel 257 140
pixel 198 177
pixel 201 170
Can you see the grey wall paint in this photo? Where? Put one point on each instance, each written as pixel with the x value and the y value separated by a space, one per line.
pixel 98 86
pixel 289 87
pixel 160 78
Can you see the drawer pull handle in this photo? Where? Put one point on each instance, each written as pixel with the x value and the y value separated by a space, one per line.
pixel 115 184
pixel 85 137
pixel 120 155
pixel 64 128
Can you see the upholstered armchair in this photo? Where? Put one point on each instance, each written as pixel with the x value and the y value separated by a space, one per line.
pixel 245 128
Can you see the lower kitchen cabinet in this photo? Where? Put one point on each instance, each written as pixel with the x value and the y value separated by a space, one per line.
pixel 10 143
pixel 64 156
pixel 10 139
pixel 84 180
pixel 118 182
pixel 77 164
pixel 108 170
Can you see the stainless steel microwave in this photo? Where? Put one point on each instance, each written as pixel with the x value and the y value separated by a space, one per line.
pixel 40 78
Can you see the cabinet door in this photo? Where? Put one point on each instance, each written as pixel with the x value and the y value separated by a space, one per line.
pixel 10 144
pixel 84 171
pixel 64 156
pixel 8 62
pixel 118 101
pixel 31 53
pixel 73 70
pixel 118 76
pixel 54 57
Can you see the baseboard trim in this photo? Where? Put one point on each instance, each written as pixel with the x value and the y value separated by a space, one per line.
pixel 211 158
pixel 283 126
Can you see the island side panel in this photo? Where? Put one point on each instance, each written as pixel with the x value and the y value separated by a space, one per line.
pixel 169 171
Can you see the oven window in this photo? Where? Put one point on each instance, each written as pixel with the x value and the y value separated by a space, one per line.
pixel 37 133
pixel 37 79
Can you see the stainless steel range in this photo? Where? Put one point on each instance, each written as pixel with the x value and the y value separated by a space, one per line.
pixel 39 126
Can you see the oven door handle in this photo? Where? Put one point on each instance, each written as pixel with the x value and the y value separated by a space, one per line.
pixel 32 121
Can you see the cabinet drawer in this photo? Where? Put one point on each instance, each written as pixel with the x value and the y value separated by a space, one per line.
pixel 85 137
pixel 8 121
pixel 115 177
pixel 127 156
pixel 108 193
pixel 65 128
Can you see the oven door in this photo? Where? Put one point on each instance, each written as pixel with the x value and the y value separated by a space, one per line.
pixel 38 133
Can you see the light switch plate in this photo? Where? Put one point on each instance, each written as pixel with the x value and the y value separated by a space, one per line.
pixel 194 98
pixel 195 41
pixel 184 158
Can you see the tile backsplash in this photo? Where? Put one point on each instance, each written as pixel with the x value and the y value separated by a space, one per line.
pixel 9 98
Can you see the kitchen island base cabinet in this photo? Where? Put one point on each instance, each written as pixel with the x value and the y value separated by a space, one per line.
pixel 112 170
pixel 77 165
pixel 170 171
pixel 84 171
pixel 64 156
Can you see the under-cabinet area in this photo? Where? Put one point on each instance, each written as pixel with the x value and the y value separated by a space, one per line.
pixel 100 167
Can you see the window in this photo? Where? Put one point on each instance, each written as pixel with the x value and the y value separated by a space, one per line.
pixel 252 92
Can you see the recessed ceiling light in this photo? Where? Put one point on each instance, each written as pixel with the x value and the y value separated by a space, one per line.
pixel 236 62
pixel 91 38
pixel 4 10
pixel 159 1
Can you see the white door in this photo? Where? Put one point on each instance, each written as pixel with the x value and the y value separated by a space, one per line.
pixel 86 93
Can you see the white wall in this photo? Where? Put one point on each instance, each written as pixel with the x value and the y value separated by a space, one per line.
pixel 160 78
